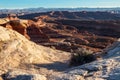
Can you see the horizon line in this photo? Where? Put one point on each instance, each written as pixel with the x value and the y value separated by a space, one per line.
pixel 57 7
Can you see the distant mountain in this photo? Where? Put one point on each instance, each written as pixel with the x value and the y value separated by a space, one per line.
pixel 41 9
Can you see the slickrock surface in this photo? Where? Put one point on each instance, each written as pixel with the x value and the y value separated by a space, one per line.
pixel 21 75
pixel 18 52
pixel 106 69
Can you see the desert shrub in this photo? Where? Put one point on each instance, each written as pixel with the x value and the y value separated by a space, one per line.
pixel 81 56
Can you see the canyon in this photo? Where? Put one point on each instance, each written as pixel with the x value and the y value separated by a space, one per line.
pixel 40 46
pixel 68 31
pixel 61 29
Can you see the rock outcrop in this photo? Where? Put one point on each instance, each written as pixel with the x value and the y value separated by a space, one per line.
pixel 18 25
pixel 17 52
pixel 30 29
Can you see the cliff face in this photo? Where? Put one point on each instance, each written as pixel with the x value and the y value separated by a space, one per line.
pixel 73 34
pixel 17 25
pixel 37 35
pixel 68 29
pixel 98 27
pixel 28 28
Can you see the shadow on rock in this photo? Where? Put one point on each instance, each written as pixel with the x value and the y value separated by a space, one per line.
pixel 22 77
pixel 57 66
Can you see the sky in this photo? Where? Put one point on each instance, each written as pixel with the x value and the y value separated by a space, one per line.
pixel 14 4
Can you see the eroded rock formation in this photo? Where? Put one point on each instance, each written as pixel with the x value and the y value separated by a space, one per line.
pixel 30 29
pixel 73 34
pixel 57 30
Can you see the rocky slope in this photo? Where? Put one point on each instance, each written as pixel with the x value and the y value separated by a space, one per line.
pixel 17 52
